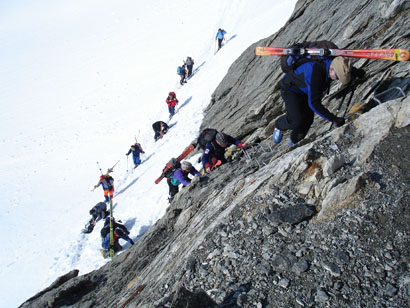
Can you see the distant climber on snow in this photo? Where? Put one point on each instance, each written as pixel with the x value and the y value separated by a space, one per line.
pixel 220 37
pixel 120 232
pixel 136 150
pixel 180 176
pixel 302 90
pixel 107 183
pixel 189 66
pixel 181 71
pixel 214 152
pixel 98 212
pixel 160 128
pixel 171 101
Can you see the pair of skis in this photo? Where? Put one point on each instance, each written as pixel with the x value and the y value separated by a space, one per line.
pixel 184 154
pixel 380 54
pixel 110 253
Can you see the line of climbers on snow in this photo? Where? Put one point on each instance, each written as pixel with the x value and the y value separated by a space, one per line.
pixel 99 211
pixel 185 71
pixel 306 80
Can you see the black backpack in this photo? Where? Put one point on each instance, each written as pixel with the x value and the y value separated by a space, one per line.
pixel 206 136
pixel 289 63
pixel 170 167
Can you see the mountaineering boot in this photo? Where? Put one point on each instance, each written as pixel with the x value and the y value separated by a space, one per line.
pixel 277 136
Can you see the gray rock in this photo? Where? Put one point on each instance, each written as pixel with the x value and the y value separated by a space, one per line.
pixel 292 214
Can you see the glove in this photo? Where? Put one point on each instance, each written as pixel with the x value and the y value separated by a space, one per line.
pixel 358 73
pixel 243 145
pixel 208 167
pixel 338 121
pixel 195 179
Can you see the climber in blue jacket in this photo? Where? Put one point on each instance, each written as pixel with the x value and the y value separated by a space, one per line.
pixel 302 90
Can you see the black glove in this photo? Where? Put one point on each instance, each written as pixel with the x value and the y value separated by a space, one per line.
pixel 338 121
pixel 358 73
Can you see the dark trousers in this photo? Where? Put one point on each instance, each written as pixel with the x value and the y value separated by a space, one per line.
pixel 173 190
pixel 171 110
pixel 182 81
pixel 298 117
pixel 189 70
pixel 219 43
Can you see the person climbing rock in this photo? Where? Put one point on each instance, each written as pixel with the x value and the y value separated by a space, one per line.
pixel 180 176
pixel 302 91
pixel 214 152
pixel 120 232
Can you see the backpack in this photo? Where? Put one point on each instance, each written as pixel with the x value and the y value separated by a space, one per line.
pixel 289 63
pixel 170 167
pixel 179 70
pixel 206 136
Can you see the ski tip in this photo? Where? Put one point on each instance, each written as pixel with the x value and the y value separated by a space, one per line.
pixel 402 54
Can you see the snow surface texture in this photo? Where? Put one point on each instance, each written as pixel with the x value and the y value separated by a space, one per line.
pixel 79 80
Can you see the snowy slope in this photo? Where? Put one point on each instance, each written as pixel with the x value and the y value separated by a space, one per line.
pixel 79 80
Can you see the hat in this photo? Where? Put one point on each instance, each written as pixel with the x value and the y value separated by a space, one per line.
pixel 186 165
pixel 220 139
pixel 343 68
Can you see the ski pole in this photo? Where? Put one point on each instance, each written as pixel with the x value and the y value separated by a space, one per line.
pixel 99 167
pixel 112 168
pixel 136 137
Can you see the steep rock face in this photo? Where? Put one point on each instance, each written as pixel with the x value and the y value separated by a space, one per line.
pixel 247 101
pixel 324 224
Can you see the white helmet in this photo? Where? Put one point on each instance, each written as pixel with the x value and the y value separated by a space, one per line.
pixel 186 165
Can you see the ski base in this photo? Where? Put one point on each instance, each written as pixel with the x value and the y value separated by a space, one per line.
pixel 397 54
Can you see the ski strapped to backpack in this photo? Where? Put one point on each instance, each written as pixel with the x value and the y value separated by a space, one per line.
pixel 206 136
pixel 174 163
pixel 298 56
pixel 378 54
pixel 112 252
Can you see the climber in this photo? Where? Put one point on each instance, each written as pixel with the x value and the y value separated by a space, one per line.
pixel 302 91
pixel 120 231
pixel 171 101
pixel 160 128
pixel 107 183
pixel 189 66
pixel 136 150
pixel 220 36
pixel 99 211
pixel 180 176
pixel 214 152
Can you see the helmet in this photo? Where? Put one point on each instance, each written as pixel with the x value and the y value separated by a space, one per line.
pixel 186 165
pixel 220 139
